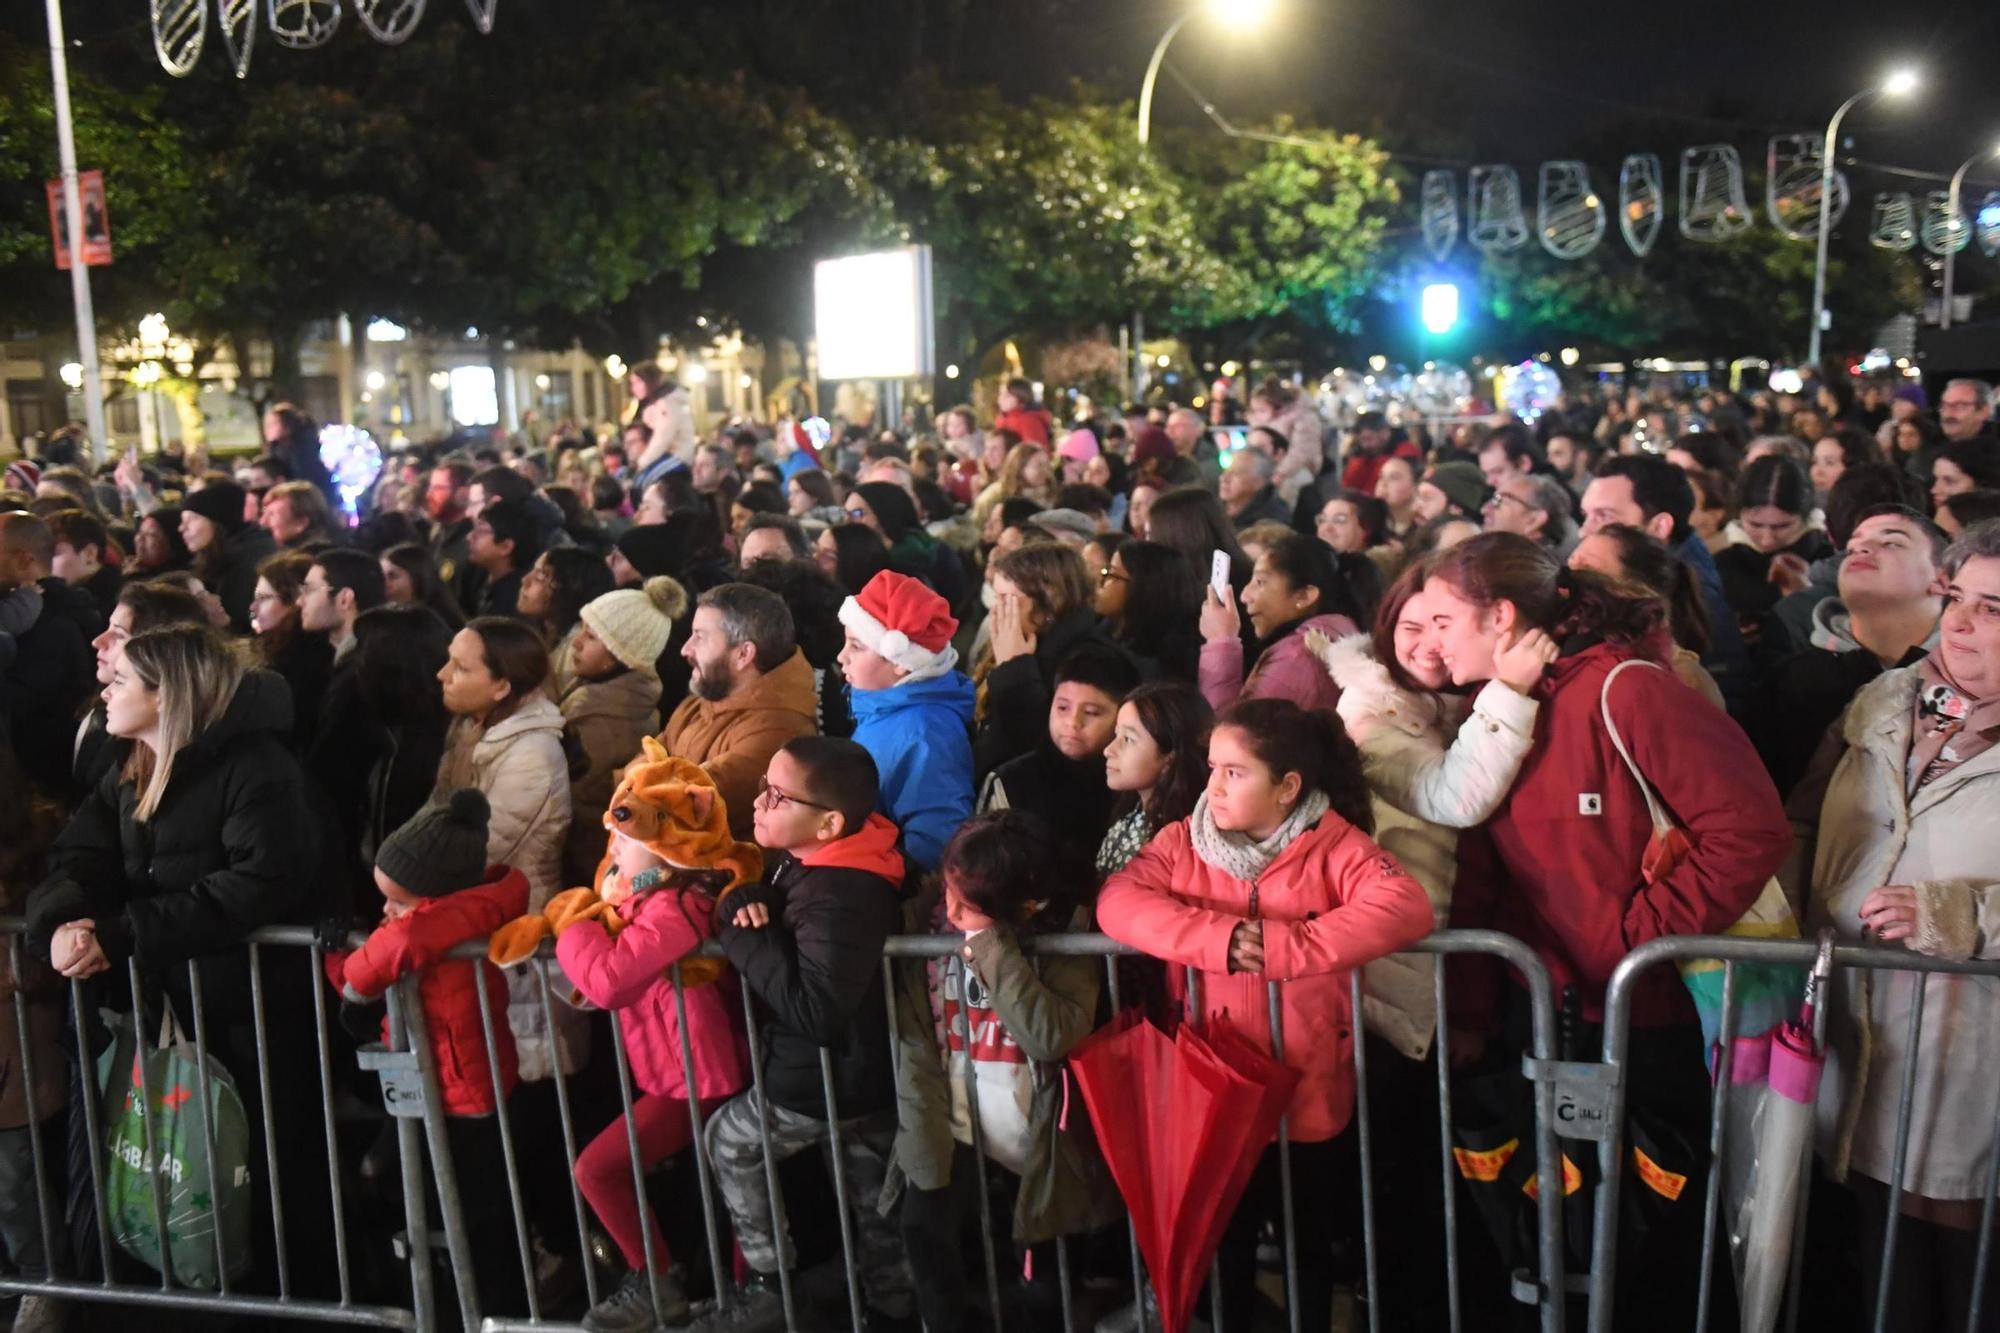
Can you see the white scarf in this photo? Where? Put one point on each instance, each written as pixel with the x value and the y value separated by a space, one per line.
pixel 1239 855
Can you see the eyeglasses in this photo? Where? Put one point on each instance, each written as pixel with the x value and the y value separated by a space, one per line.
pixel 1493 501
pixel 858 515
pixel 772 797
pixel 1110 575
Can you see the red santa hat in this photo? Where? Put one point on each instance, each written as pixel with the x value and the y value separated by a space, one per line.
pixel 898 617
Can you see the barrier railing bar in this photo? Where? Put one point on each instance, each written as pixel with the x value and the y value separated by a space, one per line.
pixel 843 1199
pixel 409 1153
pixel 695 1120
pixel 141 1044
pixel 333 1173
pixel 44 1213
pixel 570 1146
pixel 781 1233
pixel 457 1240
pixel 504 1119
pixel 203 1118
pixel 1368 1242
pixel 1274 1005
pixel 261 1030
pixel 1905 1100
pixel 970 1079
pixel 646 1243
pixel 1447 1164
pixel 92 1126
pixel 1985 1230
pixel 1140 1321
pixel 1718 1142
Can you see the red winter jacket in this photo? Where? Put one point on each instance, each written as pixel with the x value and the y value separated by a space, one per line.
pixel 1363 470
pixel 630 972
pixel 1572 832
pixel 1331 902
pixel 1032 424
pixel 417 941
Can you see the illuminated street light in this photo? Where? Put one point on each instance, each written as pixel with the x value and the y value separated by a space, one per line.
pixel 72 374
pixel 614 366
pixel 376 379
pixel 1899 83
pixel 1957 221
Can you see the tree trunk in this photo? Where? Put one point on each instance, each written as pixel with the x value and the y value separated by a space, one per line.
pixel 286 383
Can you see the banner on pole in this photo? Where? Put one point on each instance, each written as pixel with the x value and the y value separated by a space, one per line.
pixel 96 221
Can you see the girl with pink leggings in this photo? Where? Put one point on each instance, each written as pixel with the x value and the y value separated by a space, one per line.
pixel 668 914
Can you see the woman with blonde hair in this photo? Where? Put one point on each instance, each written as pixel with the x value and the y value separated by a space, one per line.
pixel 1026 474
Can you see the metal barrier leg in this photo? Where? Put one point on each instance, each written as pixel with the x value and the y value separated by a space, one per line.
pixel 570 1145
pixel 409 1152
pixel 505 1123
pixel 1142 1322
pixel 970 1082
pixel 1554 1282
pixel 781 1235
pixel 701 1165
pixel 1905 1100
pixel 457 1241
pixel 1368 1245
pixel 645 1211
pixel 1289 1212
pixel 261 1028
pixel 843 1200
pixel 1447 1163
pixel 92 1126
pixel 37 1159
pixel 1718 1146
pixel 203 1119
pixel 333 1171
pixel 142 1047
pixel 1979 1266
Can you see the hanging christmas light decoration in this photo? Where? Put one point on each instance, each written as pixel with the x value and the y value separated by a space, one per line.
pixel 1895 224
pixel 1569 217
pixel 1497 220
pixel 1793 168
pixel 1528 389
pixel 1944 229
pixel 482 14
pixel 304 24
pixel 1713 207
pixel 1440 212
pixel 352 459
pixel 239 32
pixel 1986 225
pixel 1642 201
pixel 390 22
pixel 179 29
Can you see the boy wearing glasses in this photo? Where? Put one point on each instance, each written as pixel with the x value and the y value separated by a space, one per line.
pixel 807 942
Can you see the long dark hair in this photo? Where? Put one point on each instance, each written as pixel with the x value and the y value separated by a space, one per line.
pixel 1776 481
pixel 1178 718
pixel 1193 522
pixel 1162 599
pixel 1003 861
pixel 512 651
pixel 578 578
pixel 398 652
pixel 1647 561
pixel 1308 562
pixel 425 586
pixel 1289 739
pixel 861 554
pixel 1383 633
pixel 1566 603
pixel 286 573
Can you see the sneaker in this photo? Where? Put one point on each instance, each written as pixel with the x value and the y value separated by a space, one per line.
pixel 758 1306
pixel 630 1308
pixel 41 1314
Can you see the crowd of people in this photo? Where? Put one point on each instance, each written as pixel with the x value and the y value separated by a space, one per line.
pixel 1262 713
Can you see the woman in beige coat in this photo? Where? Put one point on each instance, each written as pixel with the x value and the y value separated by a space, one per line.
pixel 1902 852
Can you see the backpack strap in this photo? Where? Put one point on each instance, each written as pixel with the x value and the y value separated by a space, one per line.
pixel 1661 820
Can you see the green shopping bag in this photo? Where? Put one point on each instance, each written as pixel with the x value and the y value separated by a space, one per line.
pixel 197 1187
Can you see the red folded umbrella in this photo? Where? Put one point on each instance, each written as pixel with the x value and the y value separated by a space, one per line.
pixel 1181 1124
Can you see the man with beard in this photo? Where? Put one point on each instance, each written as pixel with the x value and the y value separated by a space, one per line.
pixel 750 692
pixel 451 530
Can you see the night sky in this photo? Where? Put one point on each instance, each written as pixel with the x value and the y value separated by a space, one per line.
pixel 1518 81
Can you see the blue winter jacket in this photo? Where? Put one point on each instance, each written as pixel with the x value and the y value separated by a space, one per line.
pixel 919 734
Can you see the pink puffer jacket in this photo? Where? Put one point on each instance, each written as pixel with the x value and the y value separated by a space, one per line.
pixel 629 972
pixel 1330 902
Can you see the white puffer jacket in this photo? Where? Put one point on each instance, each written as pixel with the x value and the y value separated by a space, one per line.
pixel 1941 842
pixel 1432 771
pixel 518 764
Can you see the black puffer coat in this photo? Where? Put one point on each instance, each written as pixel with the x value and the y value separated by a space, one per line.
pixel 232 574
pixel 229 849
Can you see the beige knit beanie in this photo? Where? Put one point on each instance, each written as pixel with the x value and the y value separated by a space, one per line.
pixel 635 623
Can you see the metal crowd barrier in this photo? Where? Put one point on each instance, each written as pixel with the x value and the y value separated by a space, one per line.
pixel 411 1097
pixel 1803 954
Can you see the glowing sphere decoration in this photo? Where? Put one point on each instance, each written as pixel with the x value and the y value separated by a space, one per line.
pixel 352 458
pixel 1528 389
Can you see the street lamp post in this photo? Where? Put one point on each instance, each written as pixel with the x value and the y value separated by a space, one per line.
pixel 1242 11
pixel 1896 85
pixel 1956 219
pixel 79 272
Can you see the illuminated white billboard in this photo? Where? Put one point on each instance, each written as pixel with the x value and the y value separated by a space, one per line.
pixel 872 315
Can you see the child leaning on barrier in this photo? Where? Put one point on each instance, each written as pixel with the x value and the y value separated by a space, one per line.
pixel 1004 881
pixel 671 857
pixel 808 943
pixel 438 893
